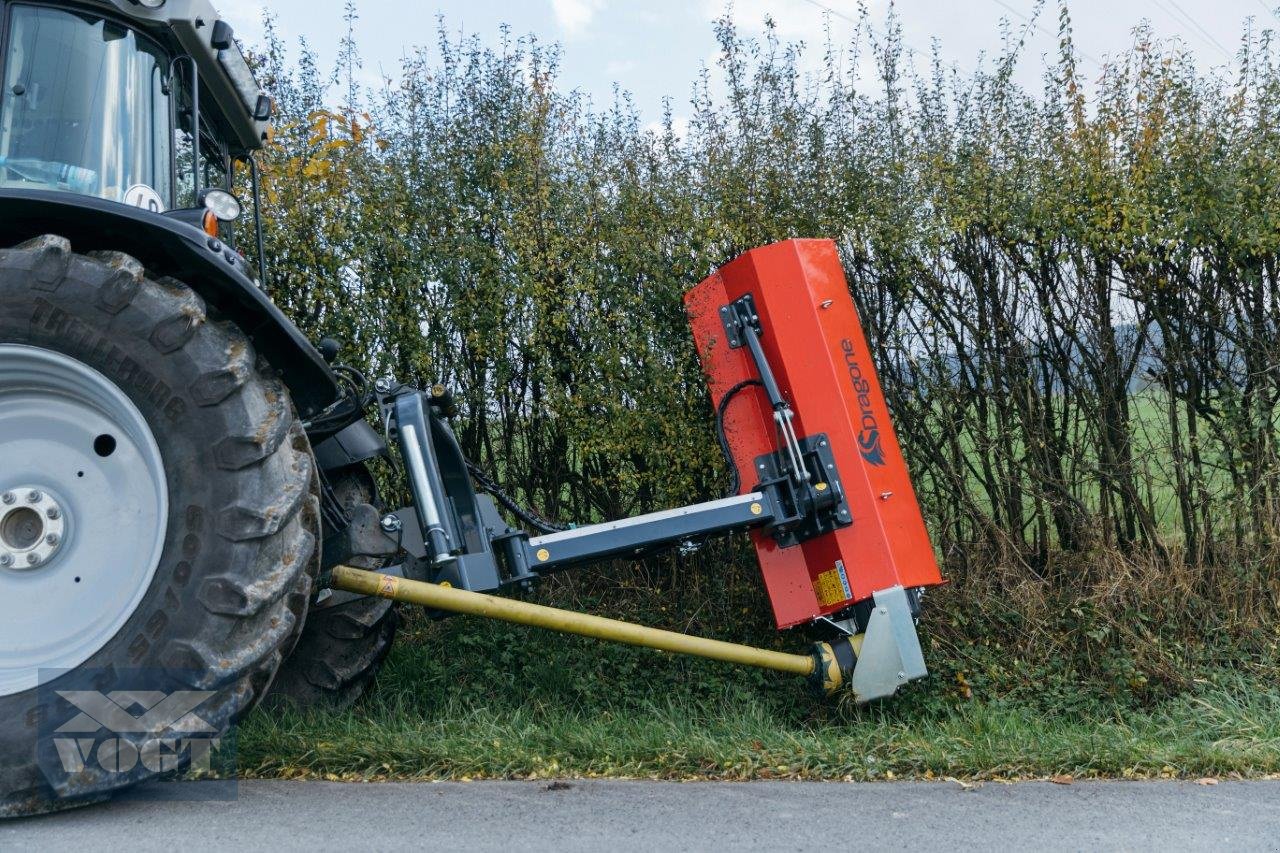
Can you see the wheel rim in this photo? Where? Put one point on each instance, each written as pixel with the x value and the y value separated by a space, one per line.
pixel 83 512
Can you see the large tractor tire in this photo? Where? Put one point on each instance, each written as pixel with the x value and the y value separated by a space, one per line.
pixel 343 645
pixel 158 525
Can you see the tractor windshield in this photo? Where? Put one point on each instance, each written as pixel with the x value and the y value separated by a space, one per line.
pixel 84 109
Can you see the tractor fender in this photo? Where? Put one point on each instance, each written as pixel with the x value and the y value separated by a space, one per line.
pixel 167 247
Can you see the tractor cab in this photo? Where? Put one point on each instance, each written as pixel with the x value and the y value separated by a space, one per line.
pixel 148 103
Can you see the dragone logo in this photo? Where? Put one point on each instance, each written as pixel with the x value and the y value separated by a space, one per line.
pixel 165 730
pixel 868 429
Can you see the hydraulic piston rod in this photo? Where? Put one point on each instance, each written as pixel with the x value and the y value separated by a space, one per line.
pixel 827 667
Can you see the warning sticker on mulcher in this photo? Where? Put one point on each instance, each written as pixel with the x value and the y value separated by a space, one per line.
pixel 832 586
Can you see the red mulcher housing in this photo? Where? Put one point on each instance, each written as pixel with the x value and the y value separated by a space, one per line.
pixel 813 339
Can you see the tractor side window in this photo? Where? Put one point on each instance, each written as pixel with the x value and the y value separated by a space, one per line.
pixel 213 158
pixel 84 109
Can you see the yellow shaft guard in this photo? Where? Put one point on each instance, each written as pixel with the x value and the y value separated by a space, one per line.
pixel 830 675
pixel 568 622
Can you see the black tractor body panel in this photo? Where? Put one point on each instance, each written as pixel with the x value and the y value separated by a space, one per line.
pixel 355 443
pixel 167 247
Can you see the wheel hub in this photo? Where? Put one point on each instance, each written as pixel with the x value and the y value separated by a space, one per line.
pixel 32 528
pixel 84 507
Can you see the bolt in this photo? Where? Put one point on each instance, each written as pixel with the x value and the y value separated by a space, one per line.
pixel 902 676
pixel 52 539
pixel 884 496
pixel 33 559
pixel 6 560
pixel 34 496
pixel 382 386
pixel 9 497
pixel 391 524
pixel 54 513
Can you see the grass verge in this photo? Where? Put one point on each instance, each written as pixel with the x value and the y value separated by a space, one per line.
pixel 469 700
pixel 1211 735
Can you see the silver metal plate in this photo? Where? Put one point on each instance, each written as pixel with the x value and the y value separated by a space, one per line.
pixel 891 654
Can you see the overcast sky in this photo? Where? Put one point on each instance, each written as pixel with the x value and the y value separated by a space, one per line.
pixel 655 49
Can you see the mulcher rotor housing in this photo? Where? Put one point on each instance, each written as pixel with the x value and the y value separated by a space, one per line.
pixel 186 506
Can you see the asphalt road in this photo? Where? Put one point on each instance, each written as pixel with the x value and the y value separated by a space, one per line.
pixel 621 816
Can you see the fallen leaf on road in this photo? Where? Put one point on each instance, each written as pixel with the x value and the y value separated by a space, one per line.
pixel 558 786
pixel 1062 779
pixel 1208 780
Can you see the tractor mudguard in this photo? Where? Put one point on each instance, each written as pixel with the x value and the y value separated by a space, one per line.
pixel 167 247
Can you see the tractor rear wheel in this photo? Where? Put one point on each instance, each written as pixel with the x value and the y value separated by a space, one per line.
pixel 343 645
pixel 158 524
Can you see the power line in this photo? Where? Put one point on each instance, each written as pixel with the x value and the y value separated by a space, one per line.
pixel 1195 23
pixel 853 21
pixel 1052 35
pixel 1186 19
pixel 832 11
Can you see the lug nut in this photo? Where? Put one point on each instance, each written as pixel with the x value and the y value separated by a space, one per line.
pixel 9 497
pixel 53 513
pixel 6 560
pixel 52 539
pixel 33 559
pixel 34 496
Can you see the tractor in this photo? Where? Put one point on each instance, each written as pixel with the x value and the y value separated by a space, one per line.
pixel 188 522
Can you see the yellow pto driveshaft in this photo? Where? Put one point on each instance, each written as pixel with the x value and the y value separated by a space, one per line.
pixel 827 667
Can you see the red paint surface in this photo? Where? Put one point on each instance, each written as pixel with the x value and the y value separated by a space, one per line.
pixel 823 367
